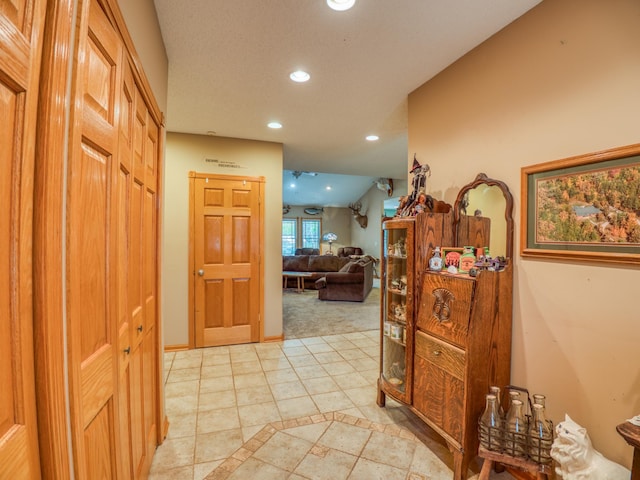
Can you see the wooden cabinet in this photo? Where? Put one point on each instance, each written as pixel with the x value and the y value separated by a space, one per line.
pixel 457 331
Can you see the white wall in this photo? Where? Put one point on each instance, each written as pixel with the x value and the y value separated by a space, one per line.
pixel 185 153
pixel 562 80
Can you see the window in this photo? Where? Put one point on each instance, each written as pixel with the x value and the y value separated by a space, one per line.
pixel 300 233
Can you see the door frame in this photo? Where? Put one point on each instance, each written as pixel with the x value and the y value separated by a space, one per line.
pixel 191 271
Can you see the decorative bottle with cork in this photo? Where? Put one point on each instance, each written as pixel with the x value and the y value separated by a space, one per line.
pixel 435 262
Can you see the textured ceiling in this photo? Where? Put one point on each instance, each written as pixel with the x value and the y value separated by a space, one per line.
pixel 229 63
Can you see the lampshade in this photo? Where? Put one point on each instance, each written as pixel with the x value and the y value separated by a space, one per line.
pixel 330 237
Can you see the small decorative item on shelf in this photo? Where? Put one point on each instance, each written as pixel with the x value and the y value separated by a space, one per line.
pixel 435 262
pixel 396 374
pixel 467 260
pixel 491 425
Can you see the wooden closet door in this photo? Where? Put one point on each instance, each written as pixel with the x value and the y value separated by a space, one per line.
pixel 21 25
pixel 91 250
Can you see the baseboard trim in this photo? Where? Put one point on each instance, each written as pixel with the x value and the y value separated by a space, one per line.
pixel 176 348
pixel 277 338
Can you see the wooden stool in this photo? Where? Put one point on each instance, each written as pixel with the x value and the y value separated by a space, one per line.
pixel 631 433
pixel 541 472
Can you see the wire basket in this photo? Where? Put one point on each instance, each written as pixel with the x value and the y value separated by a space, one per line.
pixel 526 444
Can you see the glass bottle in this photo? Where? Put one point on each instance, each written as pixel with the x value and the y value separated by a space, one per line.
pixel 494 390
pixel 513 395
pixel 516 431
pixel 539 399
pixel 490 425
pixel 435 262
pixel 467 260
pixel 540 436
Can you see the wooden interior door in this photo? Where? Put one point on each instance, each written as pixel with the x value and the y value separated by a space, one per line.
pixel 226 245
pixel 21 25
pixel 91 246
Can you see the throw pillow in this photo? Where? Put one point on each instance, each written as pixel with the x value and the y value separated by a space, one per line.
pixel 346 267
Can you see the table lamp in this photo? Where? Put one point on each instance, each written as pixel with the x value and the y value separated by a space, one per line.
pixel 330 237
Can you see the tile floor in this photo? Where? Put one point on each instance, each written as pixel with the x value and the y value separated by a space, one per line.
pixel 298 409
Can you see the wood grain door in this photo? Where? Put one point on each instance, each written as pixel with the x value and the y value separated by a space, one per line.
pixel 91 245
pixel 226 244
pixel 21 25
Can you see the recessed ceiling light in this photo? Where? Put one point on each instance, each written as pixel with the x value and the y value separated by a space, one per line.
pixel 341 5
pixel 372 138
pixel 274 125
pixel 328 187
pixel 300 76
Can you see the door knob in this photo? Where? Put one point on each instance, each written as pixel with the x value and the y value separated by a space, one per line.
pixel 201 272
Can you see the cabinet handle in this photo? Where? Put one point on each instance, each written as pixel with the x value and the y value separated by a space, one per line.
pixel 139 328
pixel 127 350
pixel 437 353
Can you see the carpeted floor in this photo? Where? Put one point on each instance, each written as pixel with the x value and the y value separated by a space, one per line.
pixel 306 316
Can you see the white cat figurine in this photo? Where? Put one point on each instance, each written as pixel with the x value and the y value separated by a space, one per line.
pixel 578 460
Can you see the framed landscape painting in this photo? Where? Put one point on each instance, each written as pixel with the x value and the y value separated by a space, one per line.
pixel 583 208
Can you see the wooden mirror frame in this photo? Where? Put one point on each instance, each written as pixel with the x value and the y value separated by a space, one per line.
pixel 482 179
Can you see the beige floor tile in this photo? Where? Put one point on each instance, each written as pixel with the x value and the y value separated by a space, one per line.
pixel 201 470
pixel 328 357
pixel 181 405
pixel 364 342
pixel 306 360
pixel 182 389
pixel 311 371
pixel 249 432
pixel 326 465
pixel 295 351
pixel 240 368
pixel 313 341
pixel 217 420
pixel 350 380
pixel 244 356
pixel 292 343
pixel 346 438
pixel 215 371
pixel 217 445
pixel 297 407
pixel 183 425
pixel 339 368
pixel 340 344
pixel 362 364
pixel 283 451
pixel 252 395
pixel 197 352
pixel 362 395
pixel 187 362
pixel 394 451
pixel 332 401
pixel 425 462
pixel 285 390
pixel 281 363
pixel 258 414
pixel 280 376
pixel 173 453
pixel 320 347
pixel 371 470
pixel 257 469
pixel 268 350
pixel 352 353
pixel 217 384
pixel 217 400
pixel 216 359
pixel 183 375
pixel 311 432
pixel 249 380
pixel 185 472
pixel 373 351
pixel 320 385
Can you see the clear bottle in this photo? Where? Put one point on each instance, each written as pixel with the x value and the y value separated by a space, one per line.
pixel 435 262
pixel 539 399
pixel 516 431
pixel 495 390
pixel 513 395
pixel 540 436
pixel 491 425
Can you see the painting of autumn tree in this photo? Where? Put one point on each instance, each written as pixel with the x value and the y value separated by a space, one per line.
pixel 594 207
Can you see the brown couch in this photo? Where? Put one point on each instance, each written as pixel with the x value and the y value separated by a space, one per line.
pixel 348 251
pixel 352 283
pixel 317 265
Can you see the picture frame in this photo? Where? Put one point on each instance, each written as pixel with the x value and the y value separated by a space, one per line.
pixel 457 251
pixel 583 208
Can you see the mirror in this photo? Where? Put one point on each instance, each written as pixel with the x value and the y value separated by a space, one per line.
pixel 482 212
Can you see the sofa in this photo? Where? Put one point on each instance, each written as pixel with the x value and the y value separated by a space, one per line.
pixel 317 265
pixel 352 283
pixel 348 251
pixel 307 251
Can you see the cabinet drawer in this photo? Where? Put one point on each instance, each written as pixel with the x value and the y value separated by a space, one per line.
pixel 445 356
pixel 445 306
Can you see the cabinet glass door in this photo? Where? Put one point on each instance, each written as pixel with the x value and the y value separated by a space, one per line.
pixel 396 309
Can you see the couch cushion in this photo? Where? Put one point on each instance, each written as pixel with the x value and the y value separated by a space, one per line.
pixel 295 263
pixel 323 263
